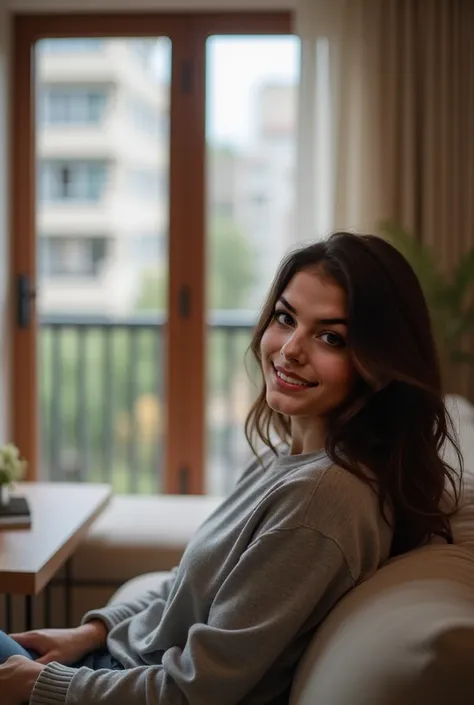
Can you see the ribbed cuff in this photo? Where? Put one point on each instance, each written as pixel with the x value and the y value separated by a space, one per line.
pixel 52 684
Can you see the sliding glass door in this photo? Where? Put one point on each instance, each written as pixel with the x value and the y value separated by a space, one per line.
pixel 153 197
pixel 250 150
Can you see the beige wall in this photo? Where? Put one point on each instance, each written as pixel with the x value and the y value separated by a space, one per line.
pixel 4 223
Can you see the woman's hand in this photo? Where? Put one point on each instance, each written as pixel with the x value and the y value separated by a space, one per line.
pixel 17 679
pixel 64 645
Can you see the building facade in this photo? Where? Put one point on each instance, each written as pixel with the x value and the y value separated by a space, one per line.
pixel 102 160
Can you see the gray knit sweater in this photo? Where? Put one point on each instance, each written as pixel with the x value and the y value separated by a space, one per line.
pixel 233 619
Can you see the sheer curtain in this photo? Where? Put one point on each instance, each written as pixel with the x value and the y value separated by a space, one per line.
pixel 386 123
pixel 338 184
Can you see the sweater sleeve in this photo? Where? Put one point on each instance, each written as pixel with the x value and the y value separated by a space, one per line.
pixel 120 611
pixel 283 579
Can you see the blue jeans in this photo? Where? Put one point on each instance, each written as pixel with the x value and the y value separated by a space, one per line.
pixel 101 658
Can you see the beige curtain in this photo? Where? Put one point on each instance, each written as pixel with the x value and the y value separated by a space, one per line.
pixel 396 138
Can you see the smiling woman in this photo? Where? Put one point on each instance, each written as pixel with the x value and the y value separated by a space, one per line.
pixel 350 382
pixel 349 365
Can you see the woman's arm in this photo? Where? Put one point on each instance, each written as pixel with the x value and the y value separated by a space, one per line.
pixel 284 580
pixel 118 612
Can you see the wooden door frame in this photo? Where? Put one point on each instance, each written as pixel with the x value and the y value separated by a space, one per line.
pixel 185 365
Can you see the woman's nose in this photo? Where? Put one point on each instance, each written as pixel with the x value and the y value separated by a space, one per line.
pixel 292 349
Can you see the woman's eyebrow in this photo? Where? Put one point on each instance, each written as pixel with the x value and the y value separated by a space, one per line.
pixel 323 321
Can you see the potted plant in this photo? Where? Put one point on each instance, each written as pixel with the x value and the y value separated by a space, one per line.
pixel 447 295
pixel 12 468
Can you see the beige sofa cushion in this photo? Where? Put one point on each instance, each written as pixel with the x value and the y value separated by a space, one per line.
pixel 138 586
pixel 137 534
pixel 404 637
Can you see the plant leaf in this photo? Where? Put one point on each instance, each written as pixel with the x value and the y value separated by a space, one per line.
pixel 419 256
pixel 462 279
pixel 461 357
pixel 459 325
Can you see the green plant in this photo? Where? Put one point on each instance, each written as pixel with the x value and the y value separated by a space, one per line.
pixel 12 466
pixel 447 295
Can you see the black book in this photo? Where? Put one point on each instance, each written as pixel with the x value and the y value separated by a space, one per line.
pixel 16 514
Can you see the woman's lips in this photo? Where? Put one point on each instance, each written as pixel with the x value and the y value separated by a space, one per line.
pixel 288 386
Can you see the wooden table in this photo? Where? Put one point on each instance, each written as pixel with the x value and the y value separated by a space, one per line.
pixel 61 516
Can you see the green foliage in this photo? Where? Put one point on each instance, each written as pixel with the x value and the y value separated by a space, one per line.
pixel 231 266
pixel 231 271
pixel 447 296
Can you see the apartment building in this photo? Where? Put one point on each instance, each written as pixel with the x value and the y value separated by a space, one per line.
pixel 102 171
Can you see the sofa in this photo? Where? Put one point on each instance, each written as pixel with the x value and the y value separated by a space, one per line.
pixel 404 637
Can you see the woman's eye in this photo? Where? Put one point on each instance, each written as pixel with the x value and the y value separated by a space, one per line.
pixel 283 317
pixel 333 340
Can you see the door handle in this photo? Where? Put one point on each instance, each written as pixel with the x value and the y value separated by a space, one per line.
pixel 25 295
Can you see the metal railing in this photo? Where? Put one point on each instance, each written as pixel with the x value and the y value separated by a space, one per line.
pixel 102 399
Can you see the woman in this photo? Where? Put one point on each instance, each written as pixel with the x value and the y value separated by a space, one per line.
pixel 353 419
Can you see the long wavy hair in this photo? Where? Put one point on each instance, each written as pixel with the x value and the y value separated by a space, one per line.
pixel 395 422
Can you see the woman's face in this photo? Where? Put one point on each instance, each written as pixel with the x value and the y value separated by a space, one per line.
pixel 306 363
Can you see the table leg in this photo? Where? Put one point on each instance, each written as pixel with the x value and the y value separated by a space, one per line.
pixel 47 606
pixel 28 613
pixel 67 592
pixel 8 613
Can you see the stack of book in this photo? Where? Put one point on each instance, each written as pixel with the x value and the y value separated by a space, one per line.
pixel 15 515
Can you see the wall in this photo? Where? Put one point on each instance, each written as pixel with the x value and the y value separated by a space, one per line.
pixel 5 335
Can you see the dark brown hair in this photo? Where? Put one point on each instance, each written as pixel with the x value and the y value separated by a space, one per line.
pixel 395 422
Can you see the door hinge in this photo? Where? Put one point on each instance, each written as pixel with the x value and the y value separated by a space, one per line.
pixel 183 480
pixel 184 302
pixel 25 293
pixel 187 76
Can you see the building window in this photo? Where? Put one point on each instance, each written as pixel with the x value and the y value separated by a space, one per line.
pixel 72 180
pixel 72 256
pixel 71 45
pixel 70 105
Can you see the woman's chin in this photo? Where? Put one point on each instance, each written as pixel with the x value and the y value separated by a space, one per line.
pixel 283 404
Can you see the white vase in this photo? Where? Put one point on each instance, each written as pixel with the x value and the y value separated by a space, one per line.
pixel 4 495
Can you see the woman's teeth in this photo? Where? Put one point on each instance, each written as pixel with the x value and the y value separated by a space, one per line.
pixel 292 380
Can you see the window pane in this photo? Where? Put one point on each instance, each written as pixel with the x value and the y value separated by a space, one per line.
pixel 251 127
pixel 102 234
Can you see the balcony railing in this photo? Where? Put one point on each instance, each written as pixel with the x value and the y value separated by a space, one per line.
pixel 102 399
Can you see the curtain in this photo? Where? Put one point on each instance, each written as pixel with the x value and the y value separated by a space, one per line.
pixel 386 123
